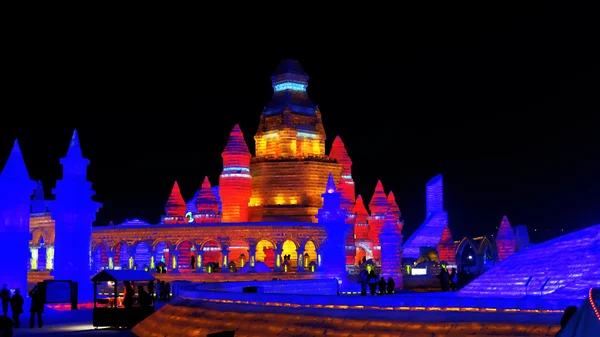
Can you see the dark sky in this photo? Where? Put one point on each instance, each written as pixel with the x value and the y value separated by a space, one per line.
pixel 503 101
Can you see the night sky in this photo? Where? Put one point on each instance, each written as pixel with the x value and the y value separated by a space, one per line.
pixel 503 102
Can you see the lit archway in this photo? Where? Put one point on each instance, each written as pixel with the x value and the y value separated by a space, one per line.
pixel 238 252
pixel 211 252
pixel 141 256
pixel 121 256
pixel 289 251
pixel 265 253
pixel 101 257
pixel 184 255
pixel 310 253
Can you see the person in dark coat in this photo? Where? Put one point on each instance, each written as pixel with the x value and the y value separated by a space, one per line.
pixel 382 286
pixel 443 276
pixel 151 288
pixel 391 285
pixel 5 296
pixel 16 304
pixel 364 275
pixel 37 306
pixel 372 282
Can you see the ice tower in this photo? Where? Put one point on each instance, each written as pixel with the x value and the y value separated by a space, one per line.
pixel 333 218
pixel 290 169
pixel 506 241
pixel 175 209
pixel 74 212
pixel 430 232
pixel 15 201
pixel 207 204
pixel 379 207
pixel 391 249
pixel 235 182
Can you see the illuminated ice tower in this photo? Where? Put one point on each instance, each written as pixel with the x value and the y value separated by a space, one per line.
pixel 391 249
pixel 235 183
pixel 175 209
pixel 15 201
pixel 506 241
pixel 333 218
pixel 74 212
pixel 290 169
pixel 378 206
pixel 346 187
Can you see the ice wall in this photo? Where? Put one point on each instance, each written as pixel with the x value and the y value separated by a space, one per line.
pixel 565 267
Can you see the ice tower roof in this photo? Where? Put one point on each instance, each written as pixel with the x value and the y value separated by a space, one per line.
pixel 15 165
pixel 565 267
pixel 290 82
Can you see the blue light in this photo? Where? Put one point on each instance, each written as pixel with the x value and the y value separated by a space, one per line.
pixel 242 175
pixel 306 134
pixel 245 169
pixel 290 86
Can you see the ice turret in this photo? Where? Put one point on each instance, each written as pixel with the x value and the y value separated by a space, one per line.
pixel 346 186
pixel 445 248
pixel 235 182
pixel 207 204
pixel 391 249
pixel 16 189
pixel 391 198
pixel 333 218
pixel 361 228
pixel 175 209
pixel 74 211
pixel 38 204
pixel 506 241
pixel 379 207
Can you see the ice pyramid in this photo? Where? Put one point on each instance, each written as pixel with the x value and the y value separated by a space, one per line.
pixel 565 267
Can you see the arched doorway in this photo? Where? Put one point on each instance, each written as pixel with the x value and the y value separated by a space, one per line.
pixel 211 251
pixel 142 256
pixel 184 257
pixel 289 253
pixel 310 253
pixel 467 256
pixel 101 257
pixel 265 252
pixel 121 256
pixel 363 253
pixel 238 252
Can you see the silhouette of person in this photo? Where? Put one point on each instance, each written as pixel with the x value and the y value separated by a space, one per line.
pixel 372 282
pixel 443 276
pixel 453 279
pixel 37 306
pixel 382 286
pixel 391 285
pixel 569 312
pixel 16 304
pixel 5 295
pixel 364 275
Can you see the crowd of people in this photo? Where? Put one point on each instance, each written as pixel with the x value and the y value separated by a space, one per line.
pixel 16 301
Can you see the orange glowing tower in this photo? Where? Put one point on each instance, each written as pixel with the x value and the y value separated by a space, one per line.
pixel 235 182
pixel 362 243
pixel 346 187
pixel 207 205
pixel 379 207
pixel 175 208
pixel 290 169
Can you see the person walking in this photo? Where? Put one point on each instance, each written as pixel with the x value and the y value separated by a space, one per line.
pixel 16 304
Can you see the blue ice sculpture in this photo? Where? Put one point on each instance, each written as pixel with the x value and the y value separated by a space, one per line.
pixel 74 211
pixel 333 218
pixel 16 189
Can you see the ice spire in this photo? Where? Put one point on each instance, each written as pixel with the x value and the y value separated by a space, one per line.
pixel 74 147
pixel 338 152
pixel 236 143
pixel 175 206
pixel 379 203
pixel 38 205
pixel 391 198
pixel 330 184
pixel 359 206
pixel 207 203
pixel 506 241
pixel 15 168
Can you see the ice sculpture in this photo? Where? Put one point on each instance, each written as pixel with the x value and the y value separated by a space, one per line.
pixel 565 267
pixel 235 180
pixel 74 212
pixel 430 232
pixel 15 202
